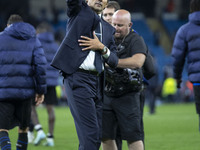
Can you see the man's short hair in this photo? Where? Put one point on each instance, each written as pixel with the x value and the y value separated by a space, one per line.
pixel 194 5
pixel 14 19
pixel 113 4
pixel 44 27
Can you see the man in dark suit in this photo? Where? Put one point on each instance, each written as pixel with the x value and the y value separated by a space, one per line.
pixel 82 66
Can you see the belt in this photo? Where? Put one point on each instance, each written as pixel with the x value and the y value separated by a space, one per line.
pixel 93 72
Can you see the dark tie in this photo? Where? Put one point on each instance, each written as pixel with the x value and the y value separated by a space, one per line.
pixel 98 60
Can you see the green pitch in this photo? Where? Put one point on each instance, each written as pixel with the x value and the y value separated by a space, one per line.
pixel 173 127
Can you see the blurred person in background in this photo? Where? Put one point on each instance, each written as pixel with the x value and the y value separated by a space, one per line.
pixel 186 46
pixel 169 90
pixel 187 92
pixel 46 37
pixel 151 93
pixel 22 77
pixel 110 9
pixel 122 99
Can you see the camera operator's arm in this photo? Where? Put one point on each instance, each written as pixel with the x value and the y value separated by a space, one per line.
pixel 136 61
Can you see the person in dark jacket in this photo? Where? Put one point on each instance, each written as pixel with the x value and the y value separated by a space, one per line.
pixel 82 66
pixel 46 37
pixel 22 77
pixel 186 45
pixel 122 96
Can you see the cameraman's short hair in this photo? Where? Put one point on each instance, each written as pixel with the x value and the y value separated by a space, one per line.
pixel 14 19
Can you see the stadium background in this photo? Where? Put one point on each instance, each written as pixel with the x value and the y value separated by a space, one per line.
pixel 157 21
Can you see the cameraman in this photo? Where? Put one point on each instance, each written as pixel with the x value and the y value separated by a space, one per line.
pixel 122 95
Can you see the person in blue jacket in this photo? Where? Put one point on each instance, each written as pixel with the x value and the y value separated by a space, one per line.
pixel 22 77
pixel 46 37
pixel 186 45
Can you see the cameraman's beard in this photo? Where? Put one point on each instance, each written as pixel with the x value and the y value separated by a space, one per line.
pixel 118 40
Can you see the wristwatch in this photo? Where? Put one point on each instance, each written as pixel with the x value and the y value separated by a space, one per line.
pixel 104 51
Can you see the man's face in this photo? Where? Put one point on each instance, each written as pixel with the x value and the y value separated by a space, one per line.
pixel 107 14
pixel 97 5
pixel 122 26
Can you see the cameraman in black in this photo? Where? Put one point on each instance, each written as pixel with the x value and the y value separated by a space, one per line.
pixel 122 105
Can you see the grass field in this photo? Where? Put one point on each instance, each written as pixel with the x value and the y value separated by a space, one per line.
pixel 173 127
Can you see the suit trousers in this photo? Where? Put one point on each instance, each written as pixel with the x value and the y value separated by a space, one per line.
pixel 84 95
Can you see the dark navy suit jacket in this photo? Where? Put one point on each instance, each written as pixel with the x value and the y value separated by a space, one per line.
pixel 82 22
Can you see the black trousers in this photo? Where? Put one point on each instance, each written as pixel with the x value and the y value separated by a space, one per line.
pixel 197 97
pixel 84 95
